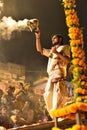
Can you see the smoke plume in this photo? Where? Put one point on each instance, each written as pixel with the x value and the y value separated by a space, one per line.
pixel 8 25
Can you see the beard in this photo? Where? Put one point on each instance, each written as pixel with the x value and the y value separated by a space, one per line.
pixel 56 43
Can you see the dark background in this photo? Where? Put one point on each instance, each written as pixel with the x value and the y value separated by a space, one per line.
pixel 20 49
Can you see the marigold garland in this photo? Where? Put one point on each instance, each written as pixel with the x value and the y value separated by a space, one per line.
pixel 73 108
pixel 75 127
pixel 75 33
pixel 79 80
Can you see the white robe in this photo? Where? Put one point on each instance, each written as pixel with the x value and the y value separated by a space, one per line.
pixel 56 94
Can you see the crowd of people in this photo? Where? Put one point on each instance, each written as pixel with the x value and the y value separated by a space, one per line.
pixel 21 106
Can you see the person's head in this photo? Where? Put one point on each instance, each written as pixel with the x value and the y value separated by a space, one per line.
pixel 17 112
pixel 20 85
pixel 4 110
pixel 57 39
pixel 10 90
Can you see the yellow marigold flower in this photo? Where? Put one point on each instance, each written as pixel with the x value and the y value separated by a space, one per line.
pixel 72 43
pixel 76 127
pixel 74 55
pixel 78 99
pixel 75 61
pixel 52 113
pixel 55 128
pixel 76 83
pixel 75 49
pixel 76 69
pixel 75 77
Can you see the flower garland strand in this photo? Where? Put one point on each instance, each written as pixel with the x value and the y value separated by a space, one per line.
pixel 79 80
pixel 75 33
pixel 75 127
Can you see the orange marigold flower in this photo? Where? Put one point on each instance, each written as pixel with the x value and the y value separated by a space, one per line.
pixel 81 62
pixel 74 30
pixel 83 77
pixel 82 106
pixel 72 108
pixel 83 127
pixel 70 11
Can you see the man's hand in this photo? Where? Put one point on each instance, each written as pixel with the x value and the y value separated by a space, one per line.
pixel 37 34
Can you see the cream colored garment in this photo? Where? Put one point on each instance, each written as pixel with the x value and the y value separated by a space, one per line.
pixel 56 94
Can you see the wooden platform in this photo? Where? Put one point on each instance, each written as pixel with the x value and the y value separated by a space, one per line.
pixel 46 126
pixel 39 126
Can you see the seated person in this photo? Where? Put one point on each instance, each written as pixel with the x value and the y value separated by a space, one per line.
pixel 4 118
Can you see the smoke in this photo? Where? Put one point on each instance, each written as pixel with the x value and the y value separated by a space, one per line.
pixel 8 25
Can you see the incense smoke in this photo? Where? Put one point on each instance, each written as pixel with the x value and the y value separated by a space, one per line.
pixel 8 25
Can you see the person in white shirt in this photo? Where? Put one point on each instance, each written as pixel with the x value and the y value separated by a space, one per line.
pixel 58 59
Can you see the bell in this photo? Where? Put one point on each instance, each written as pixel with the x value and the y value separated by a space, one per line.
pixel 33 24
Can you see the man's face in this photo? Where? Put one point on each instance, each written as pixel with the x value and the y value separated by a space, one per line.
pixel 55 39
pixel 4 111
